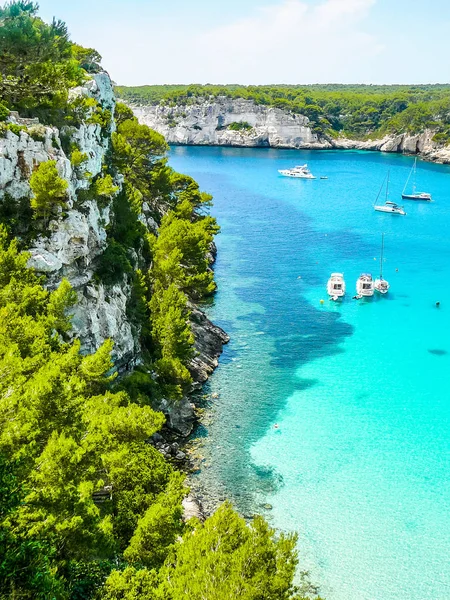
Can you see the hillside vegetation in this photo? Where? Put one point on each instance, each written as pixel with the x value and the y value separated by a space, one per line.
pixel 355 111
pixel 89 509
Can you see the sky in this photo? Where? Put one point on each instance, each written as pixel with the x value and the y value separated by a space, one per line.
pixel 263 41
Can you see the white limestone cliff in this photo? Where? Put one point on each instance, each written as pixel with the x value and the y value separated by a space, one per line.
pixel 79 236
pixel 206 124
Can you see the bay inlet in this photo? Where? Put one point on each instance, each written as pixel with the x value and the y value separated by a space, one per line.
pixel 333 419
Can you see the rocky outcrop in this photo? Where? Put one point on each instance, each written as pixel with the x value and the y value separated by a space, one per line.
pixel 209 340
pixel 79 236
pixel 206 124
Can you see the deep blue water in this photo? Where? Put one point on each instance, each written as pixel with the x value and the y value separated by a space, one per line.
pixel 358 462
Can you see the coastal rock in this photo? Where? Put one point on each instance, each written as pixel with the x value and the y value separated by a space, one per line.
pixel 192 508
pixel 180 415
pixel 77 237
pixel 209 341
pixel 100 314
pixel 206 122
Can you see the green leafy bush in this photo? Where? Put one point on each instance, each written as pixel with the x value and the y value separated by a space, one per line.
pixel 16 129
pixel 78 158
pixel 4 112
pixel 49 190
pixel 239 126
pixel 36 59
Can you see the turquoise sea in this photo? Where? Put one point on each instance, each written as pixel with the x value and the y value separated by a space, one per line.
pixel 335 415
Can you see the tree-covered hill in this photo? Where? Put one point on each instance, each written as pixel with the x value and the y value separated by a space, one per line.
pixel 89 508
pixel 355 111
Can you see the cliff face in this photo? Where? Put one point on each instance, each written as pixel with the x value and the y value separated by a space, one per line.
pixel 205 124
pixel 78 236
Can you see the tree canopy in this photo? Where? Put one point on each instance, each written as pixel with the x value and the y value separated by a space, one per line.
pixel 38 62
pixel 353 110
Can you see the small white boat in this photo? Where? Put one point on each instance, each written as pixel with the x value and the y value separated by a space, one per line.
pixel 425 196
pixel 380 284
pixel 364 285
pixel 301 172
pixel 388 206
pixel 336 286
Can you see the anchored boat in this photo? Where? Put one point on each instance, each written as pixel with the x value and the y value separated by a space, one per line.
pixel 380 284
pixel 424 196
pixel 388 206
pixel 301 172
pixel 364 285
pixel 336 286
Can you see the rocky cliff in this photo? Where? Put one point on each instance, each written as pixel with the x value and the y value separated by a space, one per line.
pixel 77 237
pixel 207 124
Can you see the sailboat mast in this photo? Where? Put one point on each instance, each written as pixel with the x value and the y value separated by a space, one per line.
pixel 387 187
pixel 414 178
pixel 381 259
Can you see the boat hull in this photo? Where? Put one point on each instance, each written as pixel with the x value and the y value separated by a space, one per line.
pixel 364 293
pixel 381 286
pixel 335 293
pixel 364 286
pixel 336 286
pixel 390 210
pixel 417 197
pixel 296 175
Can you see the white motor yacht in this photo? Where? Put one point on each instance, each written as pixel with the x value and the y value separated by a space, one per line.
pixel 336 286
pixel 301 172
pixel 380 284
pixel 364 285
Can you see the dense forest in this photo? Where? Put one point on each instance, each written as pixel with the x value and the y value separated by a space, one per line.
pixel 355 111
pixel 88 507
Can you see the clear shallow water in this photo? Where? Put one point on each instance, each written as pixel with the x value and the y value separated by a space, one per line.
pixel 359 462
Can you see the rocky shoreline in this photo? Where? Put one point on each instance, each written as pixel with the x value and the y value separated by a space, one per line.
pixel 207 124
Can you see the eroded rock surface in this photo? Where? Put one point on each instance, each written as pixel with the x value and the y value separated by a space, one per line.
pixel 206 124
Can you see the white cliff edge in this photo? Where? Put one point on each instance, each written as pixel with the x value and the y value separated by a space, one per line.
pixel 206 124
pixel 76 238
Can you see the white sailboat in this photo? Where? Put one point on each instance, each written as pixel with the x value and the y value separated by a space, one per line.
pixel 380 284
pixel 364 286
pixel 424 196
pixel 388 206
pixel 336 286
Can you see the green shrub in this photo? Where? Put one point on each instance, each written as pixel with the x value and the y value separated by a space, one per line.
pixel 4 112
pixel 16 129
pixel 77 158
pixel 240 126
pixel 49 190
